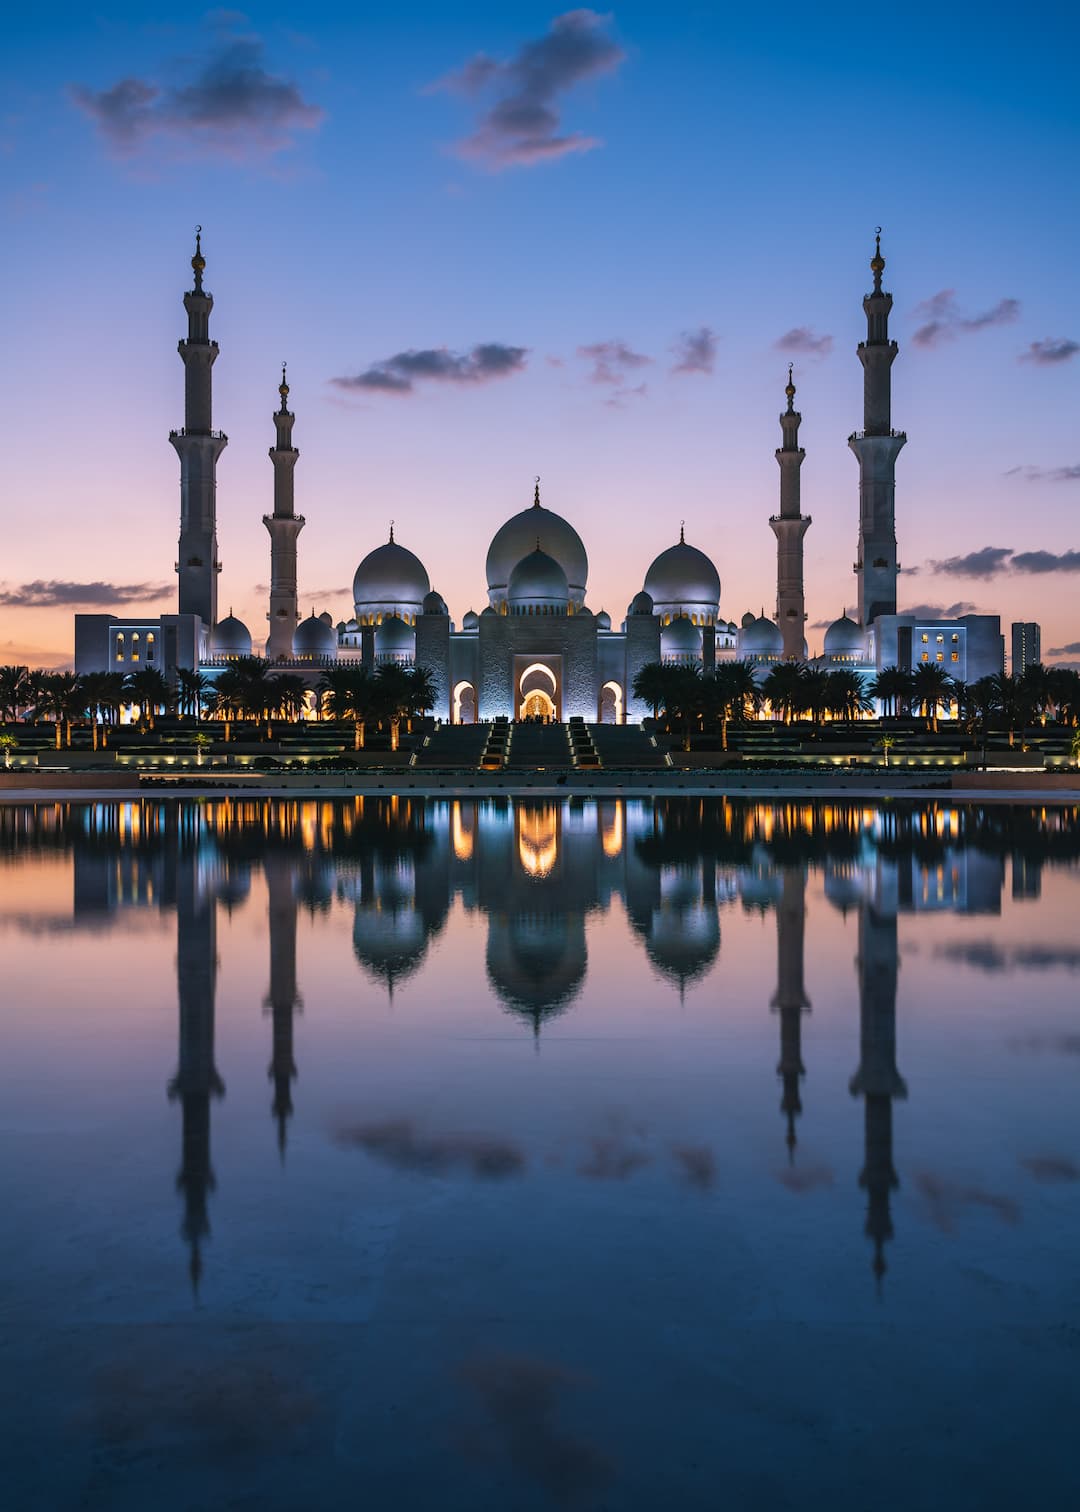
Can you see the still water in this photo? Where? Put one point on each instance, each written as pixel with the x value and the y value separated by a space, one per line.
pixel 387 1153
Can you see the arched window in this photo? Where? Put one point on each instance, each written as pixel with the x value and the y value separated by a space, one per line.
pixel 120 646
pixel 150 646
pixel 135 645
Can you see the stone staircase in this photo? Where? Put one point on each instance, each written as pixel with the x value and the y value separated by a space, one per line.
pixel 627 747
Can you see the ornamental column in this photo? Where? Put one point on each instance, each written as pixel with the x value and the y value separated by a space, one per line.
pixel 198 446
pixel 789 527
pixel 877 447
pixel 284 526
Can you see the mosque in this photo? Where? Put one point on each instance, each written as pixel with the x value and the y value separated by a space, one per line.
pixel 536 649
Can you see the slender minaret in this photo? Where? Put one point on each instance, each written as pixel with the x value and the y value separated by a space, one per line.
pixel 877 1080
pixel 790 999
pixel 198 446
pixel 284 526
pixel 877 447
pixel 789 527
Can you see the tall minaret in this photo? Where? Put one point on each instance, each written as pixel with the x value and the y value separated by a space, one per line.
pixel 198 446
pixel 789 527
pixel 284 526
pixel 877 447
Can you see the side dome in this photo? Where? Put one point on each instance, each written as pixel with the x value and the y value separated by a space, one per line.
pixel 470 620
pixel 761 639
pixel 682 580
pixel 603 620
pixel 314 638
pixel 390 580
pixel 845 640
pixel 641 603
pixel 434 603
pixel 394 640
pixel 680 641
pixel 517 538
pixel 231 637
pixel 537 585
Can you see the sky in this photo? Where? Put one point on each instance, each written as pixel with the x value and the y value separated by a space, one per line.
pixel 498 241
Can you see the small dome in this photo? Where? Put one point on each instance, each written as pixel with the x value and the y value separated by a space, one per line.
pixel 641 603
pixel 680 640
pixel 537 582
pixel 327 618
pixel 470 619
pixel 434 603
pixel 485 612
pixel 518 536
pixel 603 620
pixel 762 638
pixel 682 577
pixel 314 637
pixel 394 639
pixel 845 640
pixel 748 619
pixel 231 637
pixel 390 579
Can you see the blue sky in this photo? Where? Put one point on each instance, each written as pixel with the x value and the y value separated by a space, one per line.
pixel 704 169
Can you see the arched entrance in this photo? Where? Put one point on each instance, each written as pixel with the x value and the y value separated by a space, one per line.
pixel 464 703
pixel 611 704
pixel 538 692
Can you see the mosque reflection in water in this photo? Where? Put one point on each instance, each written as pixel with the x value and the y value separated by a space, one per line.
pixel 537 871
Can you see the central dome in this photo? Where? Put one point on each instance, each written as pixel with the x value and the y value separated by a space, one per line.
pixel 390 580
pixel 518 538
pixel 683 580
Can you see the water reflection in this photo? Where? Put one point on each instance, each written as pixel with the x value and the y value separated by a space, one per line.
pixel 536 873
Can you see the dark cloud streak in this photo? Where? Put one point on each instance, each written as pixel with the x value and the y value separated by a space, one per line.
pixel 52 593
pixel 401 373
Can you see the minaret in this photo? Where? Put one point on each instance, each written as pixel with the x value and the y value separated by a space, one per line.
pixel 198 446
pixel 790 999
pixel 789 527
pixel 877 1080
pixel 877 447
pixel 284 526
pixel 283 998
pixel 196 1080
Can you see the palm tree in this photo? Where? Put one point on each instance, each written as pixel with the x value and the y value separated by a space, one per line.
pixel 192 689
pixel 349 692
pixel 392 691
pixel 98 690
pixel 14 691
pixel 422 692
pixel 62 700
pixel 783 687
pixel 8 743
pixel 1067 694
pixel 816 692
pixel 651 685
pixel 149 691
pixel 892 687
pixel 846 696
pixel 733 691
pixel 1037 690
pixel 930 691
pixel 1074 747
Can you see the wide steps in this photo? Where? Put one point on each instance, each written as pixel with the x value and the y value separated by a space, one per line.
pixel 453 746
pixel 627 747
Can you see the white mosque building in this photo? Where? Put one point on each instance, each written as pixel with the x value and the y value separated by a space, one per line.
pixel 536 647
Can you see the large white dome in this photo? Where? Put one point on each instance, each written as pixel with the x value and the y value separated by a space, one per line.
pixel 521 535
pixel 390 580
pixel 683 580
pixel 537 585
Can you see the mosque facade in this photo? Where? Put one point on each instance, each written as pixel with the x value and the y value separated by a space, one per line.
pixel 536 648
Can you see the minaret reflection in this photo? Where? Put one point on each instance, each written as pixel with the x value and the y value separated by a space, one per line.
pixel 283 1000
pixel 877 1080
pixel 790 999
pixel 196 1080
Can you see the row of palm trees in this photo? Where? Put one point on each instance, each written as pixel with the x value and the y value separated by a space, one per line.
pixel 248 690
pixel 692 699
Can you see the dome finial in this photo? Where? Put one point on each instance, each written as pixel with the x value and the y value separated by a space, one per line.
pixel 391 532
pixel 877 262
pixel 682 532
pixel 283 390
pixel 198 262
pixel 790 390
pixel 536 494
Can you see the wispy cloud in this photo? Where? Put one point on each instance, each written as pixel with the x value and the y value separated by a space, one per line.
pixel 1070 473
pixel 941 611
pixel 401 373
pixel 1046 561
pixel 523 125
pixel 51 593
pixel 226 102
pixel 695 351
pixel 986 562
pixel 801 339
pixel 612 362
pixel 1050 351
pixel 943 319
pixel 1072 649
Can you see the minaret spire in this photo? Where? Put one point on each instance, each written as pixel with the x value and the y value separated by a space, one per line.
pixel 790 999
pixel 283 999
pixel 877 447
pixel 789 527
pixel 198 446
pixel 284 526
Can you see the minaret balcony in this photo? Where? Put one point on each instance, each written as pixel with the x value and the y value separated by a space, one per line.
pixel 214 435
pixel 864 435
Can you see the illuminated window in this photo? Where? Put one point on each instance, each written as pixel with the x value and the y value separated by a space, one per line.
pixel 150 646
pixel 925 639
pixel 941 640
pixel 941 656
pixel 119 648
pixel 926 655
pixel 135 646
pixel 956 640
pixel 956 656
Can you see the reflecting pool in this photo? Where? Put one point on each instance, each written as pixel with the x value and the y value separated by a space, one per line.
pixel 491 1154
